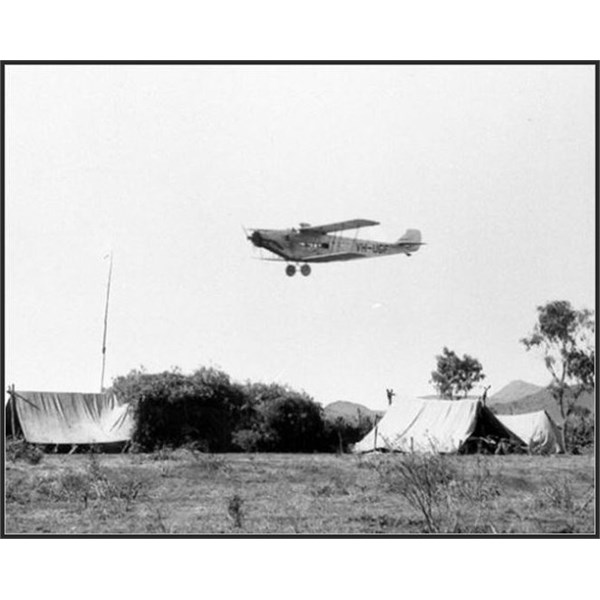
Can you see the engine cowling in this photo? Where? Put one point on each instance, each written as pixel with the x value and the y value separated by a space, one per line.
pixel 257 239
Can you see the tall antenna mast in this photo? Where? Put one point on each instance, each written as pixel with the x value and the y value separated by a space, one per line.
pixel 106 322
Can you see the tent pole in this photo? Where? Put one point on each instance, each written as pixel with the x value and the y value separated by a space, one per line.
pixel 105 323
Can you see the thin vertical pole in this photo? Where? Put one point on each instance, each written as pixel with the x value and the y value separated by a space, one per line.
pixel 105 323
pixel 13 408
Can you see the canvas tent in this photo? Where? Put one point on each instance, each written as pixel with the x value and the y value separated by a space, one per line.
pixel 436 426
pixel 72 418
pixel 537 430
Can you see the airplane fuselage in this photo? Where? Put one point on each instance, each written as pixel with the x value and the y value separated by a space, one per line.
pixel 294 246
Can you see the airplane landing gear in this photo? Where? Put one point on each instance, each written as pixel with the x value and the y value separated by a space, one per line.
pixel 290 270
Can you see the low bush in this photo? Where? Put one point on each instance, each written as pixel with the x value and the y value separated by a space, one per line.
pixel 448 499
pixel 557 493
pixel 423 481
pixel 212 463
pixel 21 450
pixel 235 508
pixel 19 488
pixel 579 431
pixel 248 440
pixel 93 485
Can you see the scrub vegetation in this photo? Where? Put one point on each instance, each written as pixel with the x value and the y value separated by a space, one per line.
pixel 208 410
pixel 185 491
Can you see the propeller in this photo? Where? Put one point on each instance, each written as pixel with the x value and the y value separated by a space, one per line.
pixel 255 237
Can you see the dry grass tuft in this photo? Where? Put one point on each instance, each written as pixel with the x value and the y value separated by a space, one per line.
pixel 235 508
pixel 448 498
pixel 20 450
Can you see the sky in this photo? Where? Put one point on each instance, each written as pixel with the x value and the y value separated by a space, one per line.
pixel 164 165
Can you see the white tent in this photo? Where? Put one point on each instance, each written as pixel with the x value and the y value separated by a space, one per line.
pixel 432 426
pixel 537 430
pixel 72 418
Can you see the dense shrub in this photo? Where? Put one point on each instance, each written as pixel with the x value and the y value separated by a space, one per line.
pixel 292 423
pixel 281 420
pixel 207 409
pixel 172 409
pixel 215 414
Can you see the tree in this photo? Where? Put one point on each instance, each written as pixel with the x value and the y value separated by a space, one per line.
pixel 456 376
pixel 284 420
pixel 565 338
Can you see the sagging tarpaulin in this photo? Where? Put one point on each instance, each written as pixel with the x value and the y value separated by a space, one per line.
pixel 433 426
pixel 537 430
pixel 73 418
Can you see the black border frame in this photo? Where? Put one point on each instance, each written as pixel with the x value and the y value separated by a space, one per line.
pixel 5 63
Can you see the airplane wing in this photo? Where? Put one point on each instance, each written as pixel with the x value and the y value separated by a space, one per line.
pixel 268 258
pixel 341 226
pixel 322 258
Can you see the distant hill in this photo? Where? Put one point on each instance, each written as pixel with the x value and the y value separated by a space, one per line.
pixel 541 400
pixel 351 412
pixel 515 390
pixel 438 397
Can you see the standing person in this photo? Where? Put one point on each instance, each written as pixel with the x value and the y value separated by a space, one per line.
pixel 390 394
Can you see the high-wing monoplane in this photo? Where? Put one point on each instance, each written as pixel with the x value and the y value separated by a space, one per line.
pixel 320 244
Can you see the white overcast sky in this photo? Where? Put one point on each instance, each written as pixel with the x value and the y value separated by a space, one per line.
pixel 164 164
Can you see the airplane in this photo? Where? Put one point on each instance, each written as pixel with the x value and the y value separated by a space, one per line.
pixel 314 244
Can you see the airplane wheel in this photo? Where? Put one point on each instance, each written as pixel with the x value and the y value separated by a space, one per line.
pixel 290 270
pixel 305 270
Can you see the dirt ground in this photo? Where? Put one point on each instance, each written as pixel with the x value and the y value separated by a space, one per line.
pixel 182 492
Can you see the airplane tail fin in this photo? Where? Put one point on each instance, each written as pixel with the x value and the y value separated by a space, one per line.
pixel 411 240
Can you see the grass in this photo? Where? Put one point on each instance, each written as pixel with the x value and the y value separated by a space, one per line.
pixel 188 492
